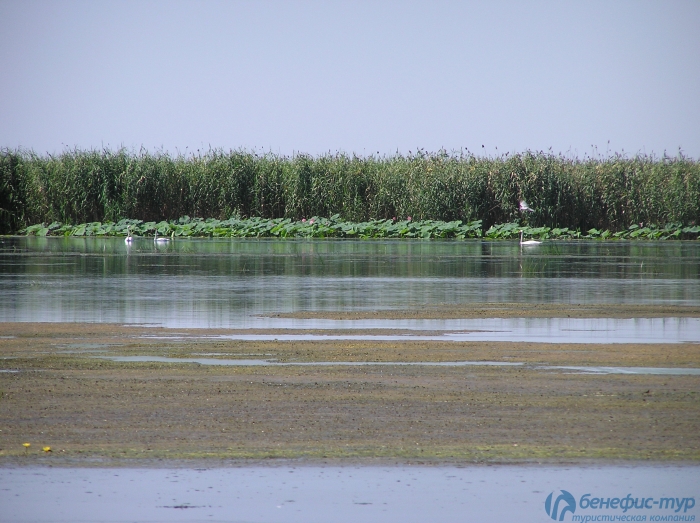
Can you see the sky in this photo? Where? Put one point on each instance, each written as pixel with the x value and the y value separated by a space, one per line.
pixel 362 77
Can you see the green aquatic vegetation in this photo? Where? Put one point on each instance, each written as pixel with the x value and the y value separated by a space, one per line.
pixel 589 194
pixel 316 227
pixel 335 227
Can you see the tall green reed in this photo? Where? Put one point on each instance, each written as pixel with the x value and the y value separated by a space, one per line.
pixel 88 186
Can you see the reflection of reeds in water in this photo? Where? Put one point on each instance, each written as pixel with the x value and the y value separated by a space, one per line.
pixel 600 194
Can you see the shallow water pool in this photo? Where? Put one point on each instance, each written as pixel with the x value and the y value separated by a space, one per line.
pixel 310 494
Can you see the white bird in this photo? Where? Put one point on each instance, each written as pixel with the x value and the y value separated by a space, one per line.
pixel 128 236
pixel 527 242
pixel 162 239
pixel 524 207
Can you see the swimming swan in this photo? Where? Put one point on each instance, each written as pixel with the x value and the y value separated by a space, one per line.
pixel 162 239
pixel 527 242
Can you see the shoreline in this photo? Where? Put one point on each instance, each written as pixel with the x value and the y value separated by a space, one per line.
pixel 506 310
pixel 301 463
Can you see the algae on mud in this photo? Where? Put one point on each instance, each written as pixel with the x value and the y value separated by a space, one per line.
pixel 84 407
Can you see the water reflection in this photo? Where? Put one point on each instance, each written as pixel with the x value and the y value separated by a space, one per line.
pixel 216 283
pixel 542 330
pixel 668 371
pixel 274 363
pixel 311 494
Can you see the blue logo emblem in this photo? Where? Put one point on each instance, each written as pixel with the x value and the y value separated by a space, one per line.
pixel 564 498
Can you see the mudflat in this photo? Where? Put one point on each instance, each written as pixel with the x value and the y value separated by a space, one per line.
pixel 508 310
pixel 58 389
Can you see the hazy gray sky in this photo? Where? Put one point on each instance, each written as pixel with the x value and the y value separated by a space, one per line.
pixel 354 76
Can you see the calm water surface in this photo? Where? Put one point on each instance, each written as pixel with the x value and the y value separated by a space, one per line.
pixel 666 371
pixel 226 283
pixel 230 283
pixel 338 494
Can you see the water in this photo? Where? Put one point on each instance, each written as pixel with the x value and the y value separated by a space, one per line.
pixel 228 283
pixel 542 330
pixel 273 363
pixel 668 371
pixel 340 494
pixel 233 284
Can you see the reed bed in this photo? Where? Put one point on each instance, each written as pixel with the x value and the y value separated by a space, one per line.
pixel 578 195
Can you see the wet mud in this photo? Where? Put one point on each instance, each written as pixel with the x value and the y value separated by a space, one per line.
pixel 55 391
pixel 507 310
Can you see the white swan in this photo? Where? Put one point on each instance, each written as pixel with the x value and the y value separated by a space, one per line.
pixel 162 239
pixel 128 236
pixel 527 242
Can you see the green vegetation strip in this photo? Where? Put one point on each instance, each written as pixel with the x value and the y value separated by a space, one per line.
pixel 335 227
pixel 579 194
